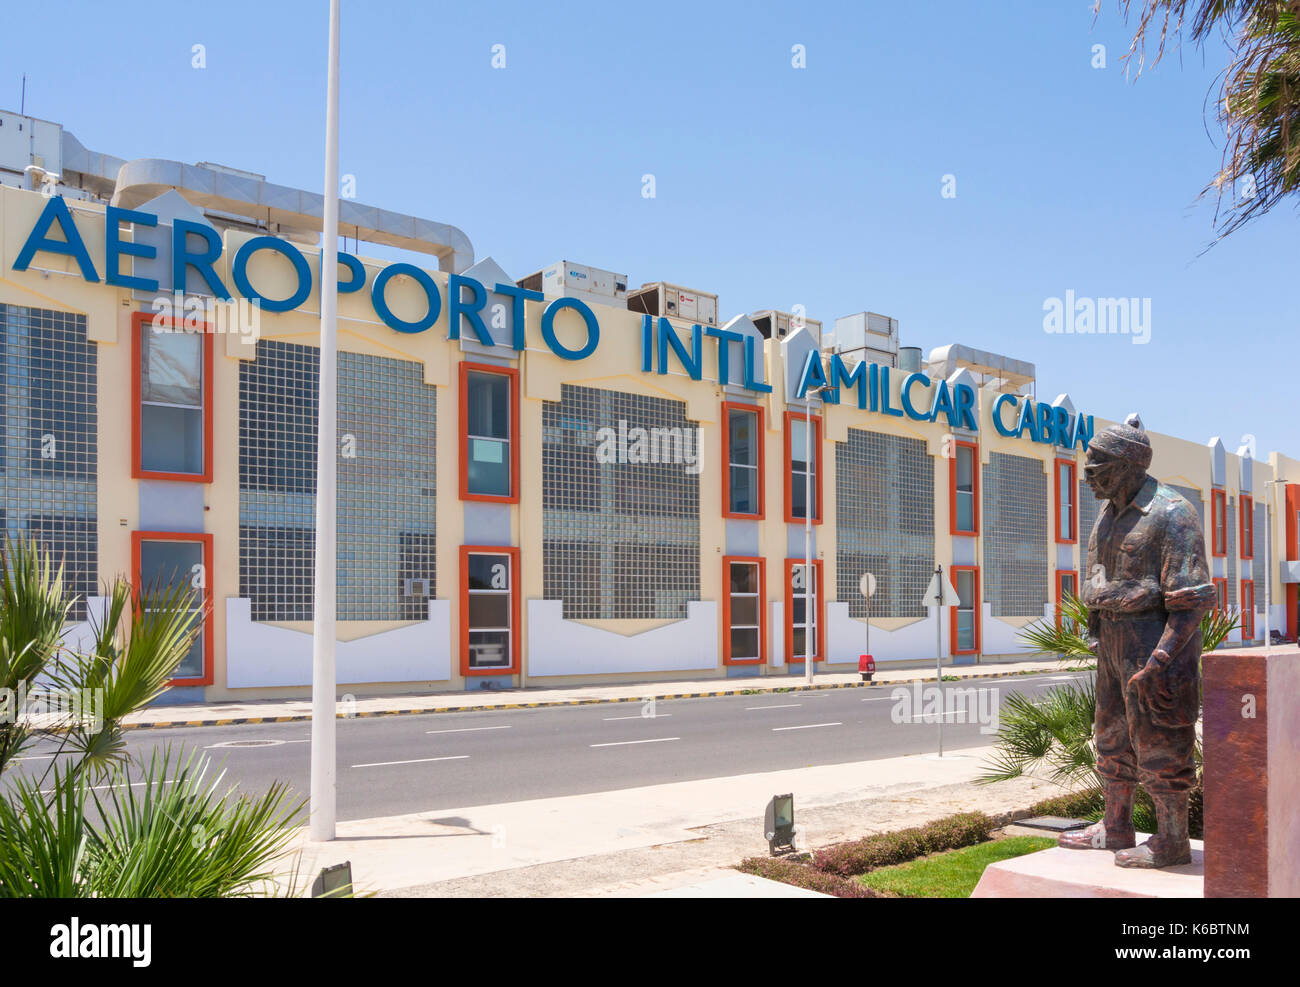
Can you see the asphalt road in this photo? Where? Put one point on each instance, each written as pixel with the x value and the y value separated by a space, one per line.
pixel 397 764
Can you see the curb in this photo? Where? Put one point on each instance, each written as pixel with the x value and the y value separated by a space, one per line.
pixel 739 691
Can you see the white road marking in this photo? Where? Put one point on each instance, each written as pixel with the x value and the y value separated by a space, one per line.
pixel 414 760
pixel 657 716
pixel 623 743
pixel 810 726
pixel 776 706
pixel 133 784
pixel 467 729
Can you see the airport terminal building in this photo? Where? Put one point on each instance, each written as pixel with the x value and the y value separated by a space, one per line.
pixel 543 480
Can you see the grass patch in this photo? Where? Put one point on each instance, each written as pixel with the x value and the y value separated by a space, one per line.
pixel 952 874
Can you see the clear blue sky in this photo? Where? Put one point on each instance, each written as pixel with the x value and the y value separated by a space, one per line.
pixel 775 186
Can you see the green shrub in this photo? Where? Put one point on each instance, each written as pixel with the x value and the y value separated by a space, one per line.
pixel 801 875
pixel 882 849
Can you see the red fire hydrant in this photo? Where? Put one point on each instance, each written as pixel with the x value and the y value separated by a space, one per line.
pixel 867 666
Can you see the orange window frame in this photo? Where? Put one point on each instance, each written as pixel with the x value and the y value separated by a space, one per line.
pixel 1073 537
pixel 727 561
pixel 138 586
pixel 138 321
pixel 975 488
pixel 727 408
pixel 1061 576
pixel 1220 595
pixel 1218 523
pixel 516 629
pixel 1248 609
pixel 952 611
pixel 1247 507
pixel 467 367
pixel 820 617
pixel 790 418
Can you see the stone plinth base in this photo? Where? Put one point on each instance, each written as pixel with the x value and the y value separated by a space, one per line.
pixel 1062 873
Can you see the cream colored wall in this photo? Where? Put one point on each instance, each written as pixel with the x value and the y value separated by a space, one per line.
pixel 615 365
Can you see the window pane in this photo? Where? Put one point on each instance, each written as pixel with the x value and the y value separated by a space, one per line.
pixel 965 511
pixel 743 438
pixel 488 572
pixel 798 501
pixel 744 610
pixel 965 468
pixel 171 439
pixel 744 499
pixel 965 630
pixel 489 649
pixel 744 643
pixel 171 367
pixel 488 404
pixel 798 445
pixel 799 636
pixel 489 610
pixel 744 577
pixel 489 468
pixel 966 588
pixel 191 666
pixel 170 563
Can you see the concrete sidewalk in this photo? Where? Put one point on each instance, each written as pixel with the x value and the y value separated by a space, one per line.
pixel 289 710
pixel 669 839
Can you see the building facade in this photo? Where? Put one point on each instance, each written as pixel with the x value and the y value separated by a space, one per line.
pixel 539 485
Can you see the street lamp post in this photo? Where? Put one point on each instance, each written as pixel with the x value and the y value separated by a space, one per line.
pixel 323 768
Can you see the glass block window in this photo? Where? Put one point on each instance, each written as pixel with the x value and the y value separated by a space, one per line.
pixel 1015 536
pixel 49 450
pixel 884 502
pixel 620 535
pixel 386 481
pixel 1089 509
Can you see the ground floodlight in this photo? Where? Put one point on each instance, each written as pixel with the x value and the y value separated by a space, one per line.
pixel 333 882
pixel 778 824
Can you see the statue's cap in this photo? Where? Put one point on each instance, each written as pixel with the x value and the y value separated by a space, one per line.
pixel 1128 441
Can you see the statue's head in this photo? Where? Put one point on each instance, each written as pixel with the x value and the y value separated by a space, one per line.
pixel 1117 460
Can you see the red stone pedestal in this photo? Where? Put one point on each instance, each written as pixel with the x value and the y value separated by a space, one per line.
pixel 1251 742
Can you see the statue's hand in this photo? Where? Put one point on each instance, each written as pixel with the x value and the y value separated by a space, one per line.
pixel 1152 684
pixel 1093 645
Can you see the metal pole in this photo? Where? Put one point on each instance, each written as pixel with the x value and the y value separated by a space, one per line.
pixel 938 652
pixel 323 783
pixel 807 544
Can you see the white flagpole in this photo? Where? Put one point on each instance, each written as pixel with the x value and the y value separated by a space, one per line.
pixel 323 752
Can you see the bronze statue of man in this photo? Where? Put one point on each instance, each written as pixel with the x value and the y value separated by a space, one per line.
pixel 1146 586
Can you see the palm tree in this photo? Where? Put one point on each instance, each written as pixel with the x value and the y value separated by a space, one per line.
pixel 168 833
pixel 1258 103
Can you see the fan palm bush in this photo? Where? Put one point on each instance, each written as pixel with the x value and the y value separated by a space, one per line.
pixel 166 832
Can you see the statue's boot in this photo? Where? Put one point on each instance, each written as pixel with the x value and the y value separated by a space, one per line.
pixel 1170 845
pixel 1115 831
